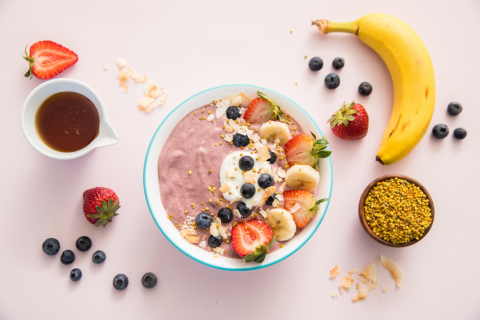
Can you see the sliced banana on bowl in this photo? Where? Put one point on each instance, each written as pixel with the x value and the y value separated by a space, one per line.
pixel 272 130
pixel 302 177
pixel 282 224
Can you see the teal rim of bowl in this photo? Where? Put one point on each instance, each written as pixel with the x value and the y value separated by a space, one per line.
pixel 260 265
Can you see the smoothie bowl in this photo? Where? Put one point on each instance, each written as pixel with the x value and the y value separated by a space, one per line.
pixel 238 177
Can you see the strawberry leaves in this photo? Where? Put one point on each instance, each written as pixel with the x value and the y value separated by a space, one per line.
pixel 260 252
pixel 343 116
pixel 29 73
pixel 315 208
pixel 318 149
pixel 277 113
pixel 105 212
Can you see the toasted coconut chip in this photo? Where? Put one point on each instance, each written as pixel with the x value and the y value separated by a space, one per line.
pixel 250 177
pixel 125 88
pixel 372 287
pixel 222 107
pixel 276 141
pixel 279 197
pixel 218 250
pixel 384 288
pixel 190 235
pixel 236 213
pixel 266 169
pixel 120 63
pixel 363 293
pixel 242 131
pixel 334 294
pixel 143 104
pixel 346 282
pixel 224 188
pixel 210 117
pixel 395 270
pixel 231 174
pixel 249 134
pixel 264 141
pixel 377 261
pixel 105 66
pixel 370 272
pixel 156 92
pixel 236 101
pixel 263 212
pixel 295 208
pixel 214 230
pixel 228 137
pixel 353 271
pixel 216 256
pixel 255 137
pixel 340 288
pixel 222 231
pixel 281 173
pixel 228 129
pixel 266 194
pixel 235 200
pixel 275 203
pixel 334 272
pixel 160 101
pixel 245 100
pixel 202 244
pixel 356 298
pixel 263 153
pixel 139 78
pixel 282 187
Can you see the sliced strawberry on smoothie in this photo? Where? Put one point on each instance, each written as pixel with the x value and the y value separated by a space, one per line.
pixel 305 210
pixel 262 109
pixel 47 59
pixel 252 239
pixel 303 149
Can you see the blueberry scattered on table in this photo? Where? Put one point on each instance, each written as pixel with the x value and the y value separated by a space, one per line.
pixel 51 246
pixel 265 180
pixel 83 243
pixel 246 163
pixel 75 274
pixel 149 280
pixel 440 131
pixel 454 108
pixel 315 64
pixel 270 199
pixel 459 133
pixel 273 157
pixel 338 63
pixel 203 220
pixel 225 215
pixel 120 281
pixel 247 190
pixel 214 241
pixel 240 140
pixel 243 209
pixel 365 89
pixel 67 257
pixel 332 81
pixel 233 113
pixel 99 256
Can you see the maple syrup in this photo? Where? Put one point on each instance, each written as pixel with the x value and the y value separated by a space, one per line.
pixel 67 121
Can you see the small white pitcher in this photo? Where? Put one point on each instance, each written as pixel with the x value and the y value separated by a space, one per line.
pixel 106 134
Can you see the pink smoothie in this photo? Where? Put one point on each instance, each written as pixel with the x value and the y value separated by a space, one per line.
pixel 195 145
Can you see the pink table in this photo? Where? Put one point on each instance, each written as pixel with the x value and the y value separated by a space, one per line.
pixel 195 45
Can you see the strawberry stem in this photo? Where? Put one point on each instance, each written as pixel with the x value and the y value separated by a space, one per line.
pixel 260 252
pixel 315 208
pixel 318 149
pixel 277 112
pixel 105 212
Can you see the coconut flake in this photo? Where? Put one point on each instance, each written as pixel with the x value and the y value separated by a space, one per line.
pixel 346 282
pixel 250 177
pixel 218 250
pixel 210 117
pixel 266 194
pixel 263 212
pixel 189 235
pixel 263 153
pixel 370 272
pixel 295 208
pixel 222 231
pixel 276 141
pixel 222 107
pixel 120 63
pixel 125 88
pixel 281 173
pixel 224 188
pixel 395 270
pixel 105 66
pixel 282 187
pixel 228 137
pixel 231 174
pixel 236 101
pixel 143 104
pixel 214 229
pixel 236 213
pixel 264 142
pixel 334 294
pixel 334 272
pixel 255 137
pixel 384 288
pixel 139 78
pixel 202 244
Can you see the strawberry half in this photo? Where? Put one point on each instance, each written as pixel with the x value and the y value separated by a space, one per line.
pixel 100 205
pixel 303 149
pixel 262 109
pixel 350 122
pixel 252 239
pixel 308 206
pixel 47 59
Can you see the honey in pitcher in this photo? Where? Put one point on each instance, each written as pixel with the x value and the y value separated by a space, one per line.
pixel 67 121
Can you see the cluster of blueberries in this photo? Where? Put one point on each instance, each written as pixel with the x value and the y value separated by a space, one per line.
pixel 51 246
pixel 332 80
pixel 247 190
pixel 440 131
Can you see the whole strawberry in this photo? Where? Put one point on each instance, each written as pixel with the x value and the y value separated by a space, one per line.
pixel 100 205
pixel 350 122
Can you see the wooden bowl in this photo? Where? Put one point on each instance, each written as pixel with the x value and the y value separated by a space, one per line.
pixel 361 210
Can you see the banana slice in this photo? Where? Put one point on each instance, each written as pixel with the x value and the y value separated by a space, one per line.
pixel 282 224
pixel 272 130
pixel 302 177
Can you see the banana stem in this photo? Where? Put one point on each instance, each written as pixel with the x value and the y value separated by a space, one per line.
pixel 325 26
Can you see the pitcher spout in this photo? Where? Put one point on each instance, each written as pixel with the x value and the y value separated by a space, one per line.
pixel 107 136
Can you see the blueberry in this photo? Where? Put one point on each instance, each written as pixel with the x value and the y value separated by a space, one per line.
pixel 332 81
pixel 273 157
pixel 76 274
pixel 454 108
pixel 120 281
pixel 246 163
pixel 99 256
pixel 67 257
pixel 440 131
pixel 365 89
pixel 214 241
pixel 270 199
pixel 51 246
pixel 149 280
pixel 460 133
pixel 247 190
pixel 83 243
pixel 233 113
pixel 239 140
pixel 203 220
pixel 243 209
pixel 265 180
pixel 315 64
pixel 225 214
pixel 338 63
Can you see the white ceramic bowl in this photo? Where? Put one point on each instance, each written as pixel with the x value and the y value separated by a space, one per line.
pixel 106 135
pixel 152 190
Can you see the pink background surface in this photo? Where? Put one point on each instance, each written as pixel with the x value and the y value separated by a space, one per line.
pixel 194 45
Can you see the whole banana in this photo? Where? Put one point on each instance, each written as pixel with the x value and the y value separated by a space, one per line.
pixel 411 70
